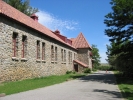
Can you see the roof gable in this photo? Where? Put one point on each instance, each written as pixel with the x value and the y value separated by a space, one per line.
pixel 80 42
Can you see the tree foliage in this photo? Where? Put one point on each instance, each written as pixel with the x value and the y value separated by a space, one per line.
pixel 96 57
pixel 23 6
pixel 120 31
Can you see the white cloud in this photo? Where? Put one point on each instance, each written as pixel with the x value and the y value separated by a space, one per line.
pixel 54 23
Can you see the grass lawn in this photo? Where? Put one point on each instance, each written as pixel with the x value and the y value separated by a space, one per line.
pixel 125 86
pixel 30 84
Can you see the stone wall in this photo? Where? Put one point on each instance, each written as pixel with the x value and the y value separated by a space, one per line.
pixel 18 68
pixel 81 69
pixel 83 56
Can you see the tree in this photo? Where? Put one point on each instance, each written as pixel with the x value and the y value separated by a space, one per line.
pixel 96 56
pixel 111 59
pixel 23 6
pixel 120 31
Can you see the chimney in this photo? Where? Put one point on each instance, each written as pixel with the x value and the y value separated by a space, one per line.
pixel 34 17
pixel 57 32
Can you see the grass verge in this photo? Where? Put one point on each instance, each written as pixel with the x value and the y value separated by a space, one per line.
pixel 30 84
pixel 125 85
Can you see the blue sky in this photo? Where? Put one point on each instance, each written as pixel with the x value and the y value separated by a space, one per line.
pixel 71 17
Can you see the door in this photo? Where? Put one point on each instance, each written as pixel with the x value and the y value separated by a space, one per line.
pixel 76 67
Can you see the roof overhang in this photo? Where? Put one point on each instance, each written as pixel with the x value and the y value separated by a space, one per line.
pixel 80 63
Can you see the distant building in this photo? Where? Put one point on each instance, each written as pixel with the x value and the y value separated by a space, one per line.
pixel 29 49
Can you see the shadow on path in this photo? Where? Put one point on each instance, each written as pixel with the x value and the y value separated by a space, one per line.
pixel 114 94
pixel 107 78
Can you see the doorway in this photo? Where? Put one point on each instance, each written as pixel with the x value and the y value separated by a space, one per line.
pixel 76 67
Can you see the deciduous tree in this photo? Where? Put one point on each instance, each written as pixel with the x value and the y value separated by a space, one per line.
pixel 96 57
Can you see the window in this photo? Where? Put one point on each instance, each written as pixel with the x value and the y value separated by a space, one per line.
pixel 52 53
pixel 61 54
pixel 43 51
pixel 24 46
pixel 64 55
pixel 15 44
pixel 38 49
pixel 69 57
pixel 55 53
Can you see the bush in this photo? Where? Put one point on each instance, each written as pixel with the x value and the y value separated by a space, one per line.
pixel 112 68
pixel 74 72
pixel 68 72
pixel 94 69
pixel 87 70
pixel 104 68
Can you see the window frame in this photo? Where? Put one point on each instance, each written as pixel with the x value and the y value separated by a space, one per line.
pixel 62 55
pixel 43 51
pixel 24 46
pixel 15 44
pixel 38 49
pixel 52 53
pixel 56 59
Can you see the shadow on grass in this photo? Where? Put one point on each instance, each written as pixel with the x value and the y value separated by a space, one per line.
pixel 127 95
pixel 125 80
pixel 76 76
pixel 126 86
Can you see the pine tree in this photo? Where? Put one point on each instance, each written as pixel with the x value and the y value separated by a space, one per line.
pixel 120 31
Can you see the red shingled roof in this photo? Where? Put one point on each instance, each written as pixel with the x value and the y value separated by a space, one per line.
pixel 13 13
pixel 80 42
pixel 81 63
pixel 72 39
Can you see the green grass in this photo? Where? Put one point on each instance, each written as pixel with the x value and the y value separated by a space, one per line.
pixel 30 84
pixel 104 64
pixel 125 86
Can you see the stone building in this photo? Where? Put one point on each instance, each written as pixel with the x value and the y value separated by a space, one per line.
pixel 29 49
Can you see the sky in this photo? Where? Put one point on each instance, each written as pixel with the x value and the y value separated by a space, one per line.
pixel 72 17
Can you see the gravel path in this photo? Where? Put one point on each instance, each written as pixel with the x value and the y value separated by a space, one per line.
pixel 97 86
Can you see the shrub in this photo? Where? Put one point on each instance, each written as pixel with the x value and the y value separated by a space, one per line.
pixel 94 69
pixel 104 68
pixel 74 72
pixel 68 72
pixel 112 68
pixel 87 70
